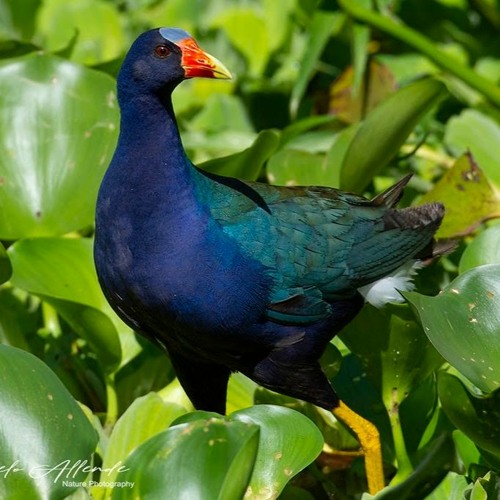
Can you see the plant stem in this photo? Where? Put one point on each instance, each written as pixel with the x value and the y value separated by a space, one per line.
pixel 425 46
pixel 405 467
pixel 112 403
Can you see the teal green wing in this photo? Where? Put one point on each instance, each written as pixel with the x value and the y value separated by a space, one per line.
pixel 319 244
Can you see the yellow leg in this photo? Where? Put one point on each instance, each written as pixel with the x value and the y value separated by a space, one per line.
pixel 369 440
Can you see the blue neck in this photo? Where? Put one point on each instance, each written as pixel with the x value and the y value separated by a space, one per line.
pixel 150 177
pixel 150 158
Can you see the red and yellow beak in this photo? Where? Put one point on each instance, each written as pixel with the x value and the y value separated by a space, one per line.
pixel 197 63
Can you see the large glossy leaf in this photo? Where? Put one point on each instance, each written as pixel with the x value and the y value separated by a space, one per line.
pixel 463 324
pixel 384 131
pixel 464 186
pixel 482 250
pixel 61 271
pixel 288 443
pixel 201 459
pixel 477 417
pixel 58 126
pixel 145 417
pixel 38 419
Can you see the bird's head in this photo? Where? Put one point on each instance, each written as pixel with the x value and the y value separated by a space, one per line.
pixel 161 58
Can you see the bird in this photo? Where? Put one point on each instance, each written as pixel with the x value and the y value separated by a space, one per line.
pixel 228 275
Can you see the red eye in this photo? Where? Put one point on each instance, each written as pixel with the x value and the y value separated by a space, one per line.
pixel 162 51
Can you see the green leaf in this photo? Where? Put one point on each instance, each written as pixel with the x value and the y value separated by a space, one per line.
pixel 196 416
pixel 186 14
pixel 453 486
pixel 432 469
pixel 485 488
pixel 393 348
pixel 466 449
pixel 61 271
pixel 240 392
pixel 201 459
pixel 477 417
pixel 277 18
pixel 292 167
pixel 416 413
pixel 311 158
pixel 360 40
pixel 323 26
pixel 246 164
pixel 17 19
pixel 482 250
pixel 361 394
pixel 464 185
pixel 475 132
pixel 288 443
pixel 174 393
pixel 57 267
pixel 222 112
pixel 148 371
pixel 144 418
pixel 5 265
pixel 385 130
pixel 246 29
pixel 58 126
pixel 463 323
pixel 101 36
pixel 38 420
pixel 313 141
pixel 335 156
pixel 298 127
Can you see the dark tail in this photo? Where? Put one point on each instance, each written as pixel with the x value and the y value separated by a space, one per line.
pixel 425 219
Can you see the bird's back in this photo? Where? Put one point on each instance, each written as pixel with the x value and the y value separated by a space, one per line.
pixel 316 242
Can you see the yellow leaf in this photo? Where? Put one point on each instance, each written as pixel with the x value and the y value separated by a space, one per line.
pixel 468 196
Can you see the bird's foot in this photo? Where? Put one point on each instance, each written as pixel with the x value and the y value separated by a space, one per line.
pixel 369 439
